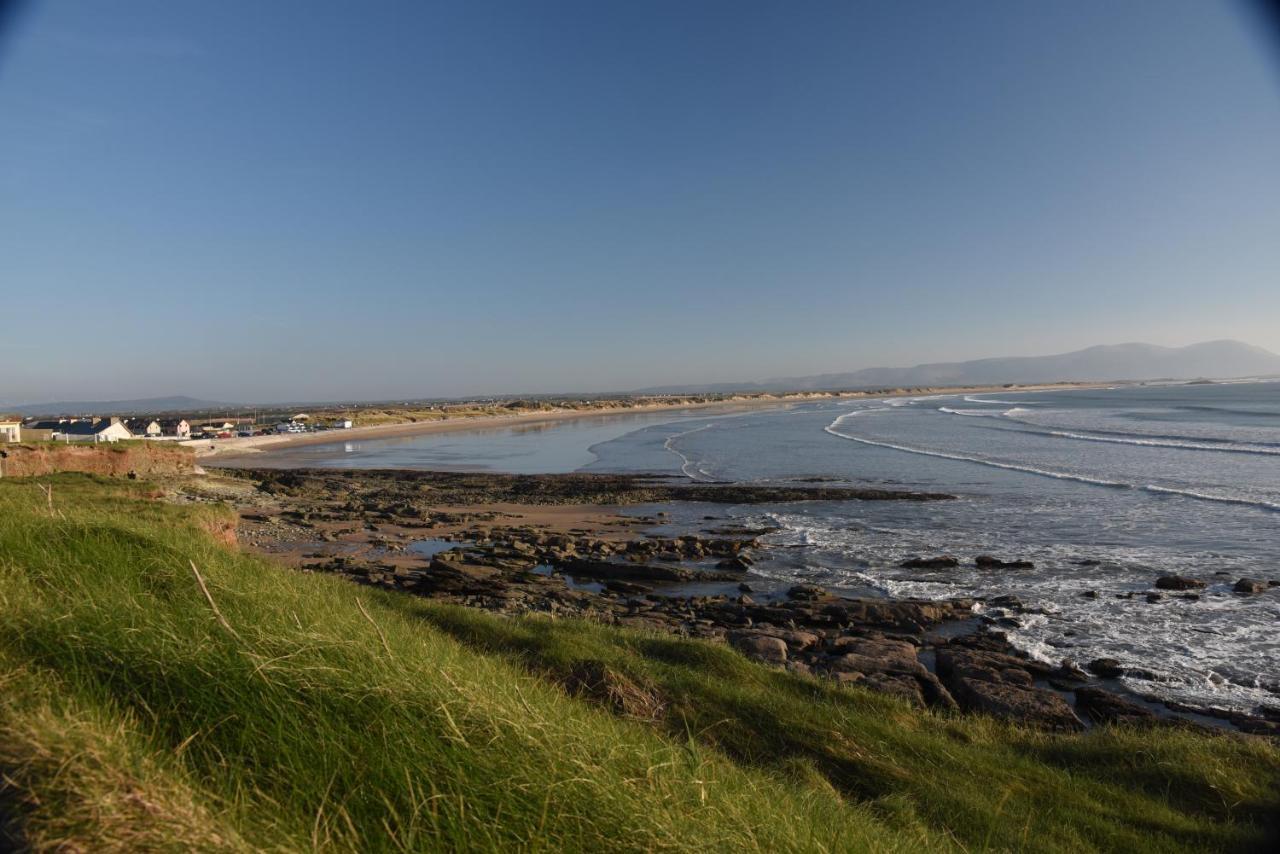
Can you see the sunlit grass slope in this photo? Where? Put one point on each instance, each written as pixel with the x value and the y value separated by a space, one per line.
pixel 287 711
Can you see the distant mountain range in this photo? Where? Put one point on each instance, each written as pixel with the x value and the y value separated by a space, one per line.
pixel 1209 360
pixel 145 406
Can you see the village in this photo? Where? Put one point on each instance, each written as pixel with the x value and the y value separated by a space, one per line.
pixel 110 429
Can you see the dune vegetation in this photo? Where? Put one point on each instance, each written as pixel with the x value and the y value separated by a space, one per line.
pixel 162 691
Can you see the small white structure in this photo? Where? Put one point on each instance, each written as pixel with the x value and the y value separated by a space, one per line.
pixel 95 431
pixel 343 424
pixel 10 431
pixel 216 427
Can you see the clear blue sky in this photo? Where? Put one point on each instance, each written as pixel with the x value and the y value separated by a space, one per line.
pixel 300 200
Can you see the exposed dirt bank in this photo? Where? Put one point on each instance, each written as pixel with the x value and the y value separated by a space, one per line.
pixel 136 459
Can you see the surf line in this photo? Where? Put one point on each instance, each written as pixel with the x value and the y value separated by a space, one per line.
pixel 1057 475
pixel 1166 443
pixel 685 462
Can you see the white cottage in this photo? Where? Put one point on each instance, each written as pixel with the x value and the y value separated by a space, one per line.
pixel 96 431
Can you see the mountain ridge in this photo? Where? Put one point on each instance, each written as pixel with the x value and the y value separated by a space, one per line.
pixel 1220 359
pixel 1134 361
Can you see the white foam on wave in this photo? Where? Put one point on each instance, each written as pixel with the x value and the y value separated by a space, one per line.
pixel 969 413
pixel 831 428
pixel 971 399
pixel 1215 651
pixel 1205 496
pixel 1167 443
pixel 1057 475
pixel 698 473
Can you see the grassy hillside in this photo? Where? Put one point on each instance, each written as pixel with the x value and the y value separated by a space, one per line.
pixel 286 711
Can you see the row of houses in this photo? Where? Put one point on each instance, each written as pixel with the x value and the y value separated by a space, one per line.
pixel 93 429
pixel 118 429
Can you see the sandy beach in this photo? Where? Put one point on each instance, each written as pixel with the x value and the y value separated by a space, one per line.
pixel 248 445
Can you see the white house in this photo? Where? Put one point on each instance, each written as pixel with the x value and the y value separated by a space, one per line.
pixel 149 429
pixel 96 431
pixel 10 431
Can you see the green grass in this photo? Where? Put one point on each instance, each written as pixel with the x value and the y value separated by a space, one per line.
pixel 326 716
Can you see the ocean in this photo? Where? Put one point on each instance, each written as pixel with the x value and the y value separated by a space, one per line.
pixel 1103 489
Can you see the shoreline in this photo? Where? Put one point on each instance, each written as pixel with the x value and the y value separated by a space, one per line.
pixel 565 545
pixel 253 445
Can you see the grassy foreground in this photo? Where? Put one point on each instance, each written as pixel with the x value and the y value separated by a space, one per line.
pixel 286 711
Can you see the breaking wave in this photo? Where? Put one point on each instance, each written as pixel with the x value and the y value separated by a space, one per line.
pixel 685 463
pixel 1223 448
pixel 1057 475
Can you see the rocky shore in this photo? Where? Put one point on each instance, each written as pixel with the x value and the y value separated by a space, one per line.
pixel 557 545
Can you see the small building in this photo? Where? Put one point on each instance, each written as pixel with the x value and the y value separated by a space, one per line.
pixel 144 428
pixel 101 430
pixel 213 428
pixel 178 428
pixel 344 424
pixel 10 431
pixel 161 428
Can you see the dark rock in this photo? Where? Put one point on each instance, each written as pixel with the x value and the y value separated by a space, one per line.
pixel 874 655
pixel 896 685
pixel 764 648
pixel 797 640
pixel 941 562
pixel 1104 707
pixel 1019 703
pixel 1250 586
pixel 1090 594
pixel 989 562
pixel 1107 668
pixel 1070 670
pixel 1178 582
pixel 806 592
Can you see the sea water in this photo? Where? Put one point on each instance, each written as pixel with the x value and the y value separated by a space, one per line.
pixel 1103 489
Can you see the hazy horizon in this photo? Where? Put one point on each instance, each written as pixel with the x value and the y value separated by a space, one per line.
pixel 764 383
pixel 293 201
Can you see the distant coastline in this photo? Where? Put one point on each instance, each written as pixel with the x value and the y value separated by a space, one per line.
pixel 248 445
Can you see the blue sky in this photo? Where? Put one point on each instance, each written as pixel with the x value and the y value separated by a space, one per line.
pixel 314 200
